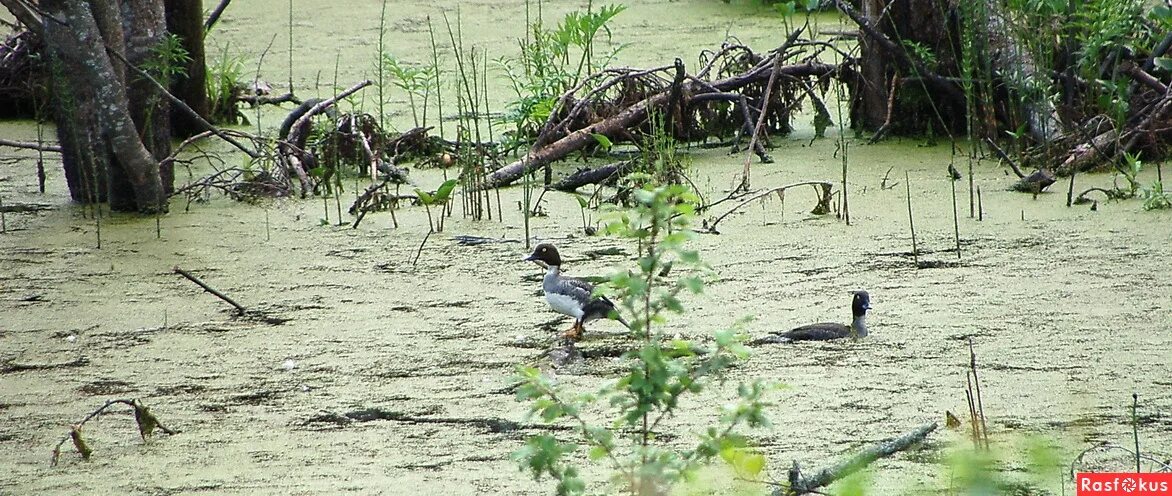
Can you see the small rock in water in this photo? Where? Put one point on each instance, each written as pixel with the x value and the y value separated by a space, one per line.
pixel 71 338
pixel 565 355
pixel 289 364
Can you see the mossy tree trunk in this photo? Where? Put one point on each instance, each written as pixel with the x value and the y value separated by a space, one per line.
pixel 106 156
pixel 149 108
pixel 185 20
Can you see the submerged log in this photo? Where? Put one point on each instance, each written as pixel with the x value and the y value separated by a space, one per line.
pixel 605 174
pixel 1035 183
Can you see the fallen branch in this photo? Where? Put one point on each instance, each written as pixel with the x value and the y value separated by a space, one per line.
pixel 30 146
pixel 802 485
pixel 1081 198
pixel 25 13
pixel 490 424
pixel 634 114
pixel 754 139
pixel 600 175
pixel 1005 156
pixel 1090 154
pixel 301 125
pixel 1141 76
pixel 25 207
pixel 254 100
pixel 240 309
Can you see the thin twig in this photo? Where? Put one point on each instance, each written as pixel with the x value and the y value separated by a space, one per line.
pixel 420 250
pixel 955 220
pixel 977 383
pixel 910 219
pixel 240 309
pixel 181 104
pixel 777 59
pixel 1135 427
pixel 822 200
pixel 1005 156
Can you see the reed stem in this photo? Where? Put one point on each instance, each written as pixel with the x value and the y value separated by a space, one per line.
pixel 910 219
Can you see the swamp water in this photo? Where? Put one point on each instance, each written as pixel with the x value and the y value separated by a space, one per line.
pixel 1070 310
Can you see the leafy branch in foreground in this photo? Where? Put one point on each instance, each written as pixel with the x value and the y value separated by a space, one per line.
pixel 659 372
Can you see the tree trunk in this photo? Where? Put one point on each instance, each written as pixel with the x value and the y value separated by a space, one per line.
pixel 151 112
pixel 84 155
pixel 185 20
pixel 872 111
pixel 120 193
pixel 929 100
pixel 80 46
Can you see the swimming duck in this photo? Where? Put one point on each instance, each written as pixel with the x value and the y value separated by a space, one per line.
pixel 860 303
pixel 569 296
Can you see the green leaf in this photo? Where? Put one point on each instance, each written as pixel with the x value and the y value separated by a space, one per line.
pixel 445 190
pixel 603 141
pixel 746 463
pixel 582 201
pixel 598 452
pixel 424 197
pixel 786 9
pixel 1163 63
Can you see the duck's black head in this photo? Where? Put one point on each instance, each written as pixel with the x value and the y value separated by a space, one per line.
pixel 546 255
pixel 861 303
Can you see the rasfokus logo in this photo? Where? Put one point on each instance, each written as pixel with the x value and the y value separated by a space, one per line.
pixel 1121 483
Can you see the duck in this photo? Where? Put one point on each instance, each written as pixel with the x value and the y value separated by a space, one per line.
pixel 825 331
pixel 570 296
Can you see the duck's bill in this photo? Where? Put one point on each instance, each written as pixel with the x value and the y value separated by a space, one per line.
pixel 528 258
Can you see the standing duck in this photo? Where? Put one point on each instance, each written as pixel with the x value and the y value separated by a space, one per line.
pixel 569 296
pixel 860 303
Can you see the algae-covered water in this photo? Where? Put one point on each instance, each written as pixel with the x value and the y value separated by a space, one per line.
pixel 1070 310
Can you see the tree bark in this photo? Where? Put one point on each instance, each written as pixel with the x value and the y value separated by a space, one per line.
pixel 151 112
pixel 873 69
pixel 85 155
pixel 185 20
pixel 80 45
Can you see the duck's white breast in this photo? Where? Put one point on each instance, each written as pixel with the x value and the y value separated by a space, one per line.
pixel 564 304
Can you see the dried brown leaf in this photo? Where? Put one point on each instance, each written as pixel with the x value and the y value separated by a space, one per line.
pixel 146 420
pixel 951 421
pixel 79 443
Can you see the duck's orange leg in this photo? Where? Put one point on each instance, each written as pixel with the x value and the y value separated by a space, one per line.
pixel 575 332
